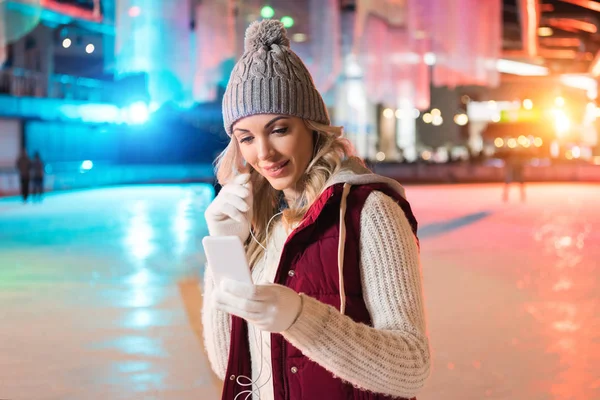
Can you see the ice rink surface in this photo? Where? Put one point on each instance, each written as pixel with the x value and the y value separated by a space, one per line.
pixel 99 296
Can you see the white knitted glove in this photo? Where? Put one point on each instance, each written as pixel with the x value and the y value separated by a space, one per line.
pixel 230 212
pixel 271 307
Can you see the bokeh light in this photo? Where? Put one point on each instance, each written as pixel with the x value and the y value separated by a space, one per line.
pixel 267 12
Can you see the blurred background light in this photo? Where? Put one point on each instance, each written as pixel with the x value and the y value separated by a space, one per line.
pixel 299 37
pixel 287 21
pixel 520 68
pixel 87 165
pixel 461 119
pixel 545 31
pixel 138 113
pixel 562 122
pixel 135 11
pixel 267 12
pixel 139 240
pixel 430 58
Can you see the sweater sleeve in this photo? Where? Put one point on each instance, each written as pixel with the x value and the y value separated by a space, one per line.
pixel 393 356
pixel 216 329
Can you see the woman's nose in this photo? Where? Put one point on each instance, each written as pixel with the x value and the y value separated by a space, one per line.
pixel 265 150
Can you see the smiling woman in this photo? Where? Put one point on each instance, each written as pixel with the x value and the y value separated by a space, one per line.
pixel 278 147
pixel 332 248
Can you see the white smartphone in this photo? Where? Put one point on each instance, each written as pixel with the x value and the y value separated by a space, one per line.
pixel 227 258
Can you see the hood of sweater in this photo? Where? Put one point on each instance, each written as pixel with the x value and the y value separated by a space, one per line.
pixel 355 174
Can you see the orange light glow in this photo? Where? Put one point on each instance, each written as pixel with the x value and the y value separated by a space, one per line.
pixel 531 32
pixel 545 31
pixel 561 42
pixel 570 24
pixel 591 5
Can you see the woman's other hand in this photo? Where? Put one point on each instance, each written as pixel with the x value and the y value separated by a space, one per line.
pixel 230 212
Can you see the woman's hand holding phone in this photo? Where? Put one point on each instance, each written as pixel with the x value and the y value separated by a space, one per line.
pixel 230 212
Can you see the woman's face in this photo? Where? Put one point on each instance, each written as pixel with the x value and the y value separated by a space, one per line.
pixel 279 147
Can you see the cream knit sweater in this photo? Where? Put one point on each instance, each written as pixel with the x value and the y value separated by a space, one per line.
pixel 392 357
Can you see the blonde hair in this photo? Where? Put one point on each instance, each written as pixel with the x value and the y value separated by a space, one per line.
pixel 330 150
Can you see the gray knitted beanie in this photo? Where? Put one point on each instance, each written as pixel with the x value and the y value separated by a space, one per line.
pixel 270 79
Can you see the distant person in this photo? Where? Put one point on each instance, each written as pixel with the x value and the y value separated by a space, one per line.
pixel 24 166
pixel 37 177
pixel 514 166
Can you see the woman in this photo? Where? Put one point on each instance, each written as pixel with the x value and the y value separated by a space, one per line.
pixel 336 311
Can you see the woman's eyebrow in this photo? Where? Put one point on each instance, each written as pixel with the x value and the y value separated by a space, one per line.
pixel 271 122
pixel 275 120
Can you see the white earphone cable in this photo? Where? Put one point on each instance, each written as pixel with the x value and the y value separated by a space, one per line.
pixel 245 381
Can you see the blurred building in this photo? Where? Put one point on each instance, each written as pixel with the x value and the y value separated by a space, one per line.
pixel 546 104
pixel 80 79
pixel 140 81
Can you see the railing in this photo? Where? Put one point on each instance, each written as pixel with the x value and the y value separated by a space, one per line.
pixel 73 175
pixel 19 82
pixel 76 175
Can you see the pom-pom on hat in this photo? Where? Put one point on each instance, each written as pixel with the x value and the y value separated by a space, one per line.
pixel 265 34
pixel 270 79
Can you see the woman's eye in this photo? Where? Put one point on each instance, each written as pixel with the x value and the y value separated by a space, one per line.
pixel 280 130
pixel 247 139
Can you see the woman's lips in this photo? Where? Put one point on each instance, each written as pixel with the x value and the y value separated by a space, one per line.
pixel 276 170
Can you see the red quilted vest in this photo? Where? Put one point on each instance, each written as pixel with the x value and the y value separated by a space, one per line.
pixel 311 251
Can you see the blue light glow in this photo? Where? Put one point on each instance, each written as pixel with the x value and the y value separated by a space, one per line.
pixel 98 113
pixel 154 37
pixel 91 112
pixel 139 236
pixel 138 113
pixel 87 165
pixel 182 224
